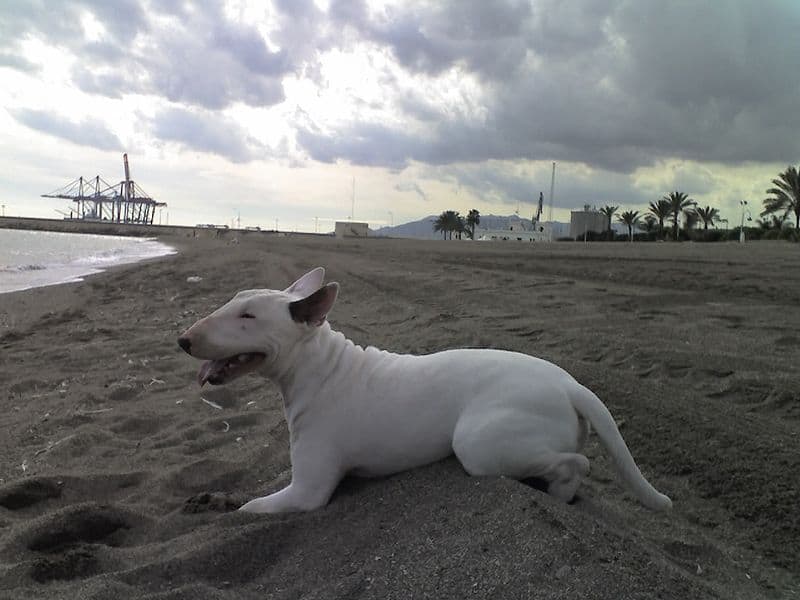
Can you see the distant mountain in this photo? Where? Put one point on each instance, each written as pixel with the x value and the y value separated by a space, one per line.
pixel 423 229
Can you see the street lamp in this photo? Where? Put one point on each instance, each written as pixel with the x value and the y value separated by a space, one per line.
pixel 743 204
pixel 391 219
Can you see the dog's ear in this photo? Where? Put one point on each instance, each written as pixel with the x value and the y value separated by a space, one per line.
pixel 314 308
pixel 308 283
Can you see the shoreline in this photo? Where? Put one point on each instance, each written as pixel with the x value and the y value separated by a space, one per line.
pixel 60 266
pixel 136 230
pixel 683 343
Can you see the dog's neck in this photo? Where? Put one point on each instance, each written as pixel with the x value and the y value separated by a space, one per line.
pixel 307 369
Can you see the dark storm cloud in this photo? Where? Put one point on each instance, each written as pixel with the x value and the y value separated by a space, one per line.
pixel 246 45
pixel 612 84
pixel 206 132
pixel 483 36
pixel 517 186
pixel 89 132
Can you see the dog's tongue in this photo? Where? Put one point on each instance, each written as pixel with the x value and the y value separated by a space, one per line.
pixel 208 369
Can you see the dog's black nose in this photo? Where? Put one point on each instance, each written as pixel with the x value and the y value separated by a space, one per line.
pixel 185 343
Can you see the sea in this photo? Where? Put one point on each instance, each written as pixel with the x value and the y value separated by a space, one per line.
pixel 30 259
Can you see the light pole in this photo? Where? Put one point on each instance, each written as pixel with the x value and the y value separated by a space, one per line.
pixel 743 204
pixel 391 219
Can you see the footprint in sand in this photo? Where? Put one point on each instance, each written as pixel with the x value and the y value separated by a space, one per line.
pixel 211 502
pixel 74 543
pixel 137 427
pixel 23 494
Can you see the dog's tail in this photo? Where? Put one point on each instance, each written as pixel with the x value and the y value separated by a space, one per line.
pixel 593 410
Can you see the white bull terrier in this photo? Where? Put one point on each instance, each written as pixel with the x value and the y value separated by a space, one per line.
pixel 368 412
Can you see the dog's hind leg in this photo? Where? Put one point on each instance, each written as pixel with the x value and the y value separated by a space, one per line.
pixel 514 444
pixel 566 474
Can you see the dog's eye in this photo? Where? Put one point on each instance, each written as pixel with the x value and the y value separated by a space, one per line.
pixel 247 316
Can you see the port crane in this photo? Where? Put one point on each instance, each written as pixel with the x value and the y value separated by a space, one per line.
pixel 97 200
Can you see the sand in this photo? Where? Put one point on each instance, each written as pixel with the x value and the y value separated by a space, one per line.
pixel 119 481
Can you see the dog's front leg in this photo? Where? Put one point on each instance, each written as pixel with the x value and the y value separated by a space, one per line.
pixel 313 481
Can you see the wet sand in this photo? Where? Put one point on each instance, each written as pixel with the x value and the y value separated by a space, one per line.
pixel 119 481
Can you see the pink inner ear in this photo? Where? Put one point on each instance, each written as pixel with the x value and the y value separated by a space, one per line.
pixel 308 283
pixel 315 308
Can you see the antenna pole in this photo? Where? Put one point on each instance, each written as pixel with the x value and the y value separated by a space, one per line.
pixel 353 200
pixel 550 208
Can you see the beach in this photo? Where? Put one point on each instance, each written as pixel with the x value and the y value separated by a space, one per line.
pixel 120 476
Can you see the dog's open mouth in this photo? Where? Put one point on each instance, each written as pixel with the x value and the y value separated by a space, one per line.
pixel 217 372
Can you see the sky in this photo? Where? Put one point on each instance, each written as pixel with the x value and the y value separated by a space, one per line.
pixel 298 113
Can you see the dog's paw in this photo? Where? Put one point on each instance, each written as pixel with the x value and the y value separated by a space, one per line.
pixel 211 502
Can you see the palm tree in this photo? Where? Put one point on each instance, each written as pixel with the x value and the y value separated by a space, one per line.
pixel 630 218
pixel 774 222
pixel 453 222
pixel 448 222
pixel 785 195
pixel 707 215
pixel 473 220
pixel 609 211
pixel 461 225
pixel 661 210
pixel 649 225
pixel 691 218
pixel 678 202
pixel 440 224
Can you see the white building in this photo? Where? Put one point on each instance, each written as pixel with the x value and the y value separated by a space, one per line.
pixel 351 229
pixel 584 221
pixel 518 231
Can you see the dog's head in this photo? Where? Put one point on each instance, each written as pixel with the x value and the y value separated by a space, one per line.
pixel 258 328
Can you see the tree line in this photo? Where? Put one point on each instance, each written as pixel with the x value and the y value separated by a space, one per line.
pixel 783 202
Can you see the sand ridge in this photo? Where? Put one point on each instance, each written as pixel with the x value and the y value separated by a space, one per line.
pixel 118 480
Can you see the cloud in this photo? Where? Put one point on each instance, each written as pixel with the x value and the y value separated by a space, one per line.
pixel 519 184
pixel 615 85
pixel 597 83
pixel 60 22
pixel 206 132
pixel 483 37
pixel 359 143
pixel 89 132
pixel 196 56
pixel 411 186
pixel 20 63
